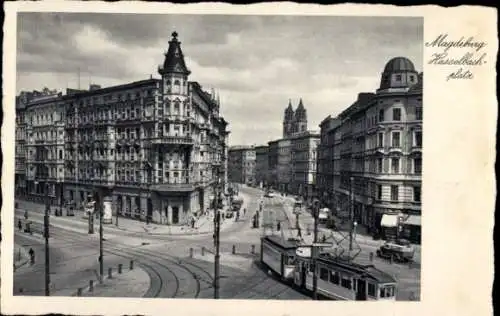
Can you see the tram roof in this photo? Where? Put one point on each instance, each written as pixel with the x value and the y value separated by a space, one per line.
pixel 283 243
pixel 369 270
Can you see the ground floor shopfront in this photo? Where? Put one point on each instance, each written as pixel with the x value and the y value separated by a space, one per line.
pixel 386 221
pixel 169 207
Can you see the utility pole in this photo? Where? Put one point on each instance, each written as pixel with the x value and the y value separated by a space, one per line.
pixel 351 214
pixel 216 239
pixel 101 252
pixel 47 255
pixel 314 249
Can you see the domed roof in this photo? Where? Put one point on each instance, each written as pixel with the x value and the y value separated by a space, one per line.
pixel 399 64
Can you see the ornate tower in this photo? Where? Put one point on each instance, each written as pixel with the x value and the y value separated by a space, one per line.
pixel 300 119
pixel 288 120
pixel 173 109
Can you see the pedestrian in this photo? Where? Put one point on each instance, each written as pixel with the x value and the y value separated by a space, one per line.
pixel 278 226
pixel 299 232
pixel 244 211
pixel 26 214
pixel 20 224
pixel 32 256
pixel 323 239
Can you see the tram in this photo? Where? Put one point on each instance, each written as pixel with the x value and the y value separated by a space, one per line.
pixel 279 255
pixel 339 279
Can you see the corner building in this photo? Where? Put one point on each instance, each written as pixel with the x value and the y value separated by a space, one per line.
pixel 377 155
pixel 156 147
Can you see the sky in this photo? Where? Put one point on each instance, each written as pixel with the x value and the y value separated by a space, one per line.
pixel 255 63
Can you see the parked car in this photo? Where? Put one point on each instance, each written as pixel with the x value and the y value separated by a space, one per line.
pixel 401 250
pixel 270 194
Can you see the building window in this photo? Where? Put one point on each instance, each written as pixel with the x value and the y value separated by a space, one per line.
pixel 396 141
pixel 396 114
pixel 418 139
pixel 379 192
pixel 398 77
pixel 394 192
pixel 416 194
pixel 380 139
pixel 395 165
pixel 418 113
pixel 381 115
pixel 417 165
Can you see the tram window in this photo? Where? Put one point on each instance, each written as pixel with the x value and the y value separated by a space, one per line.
pixel 387 291
pixel 311 268
pixel 334 277
pixel 371 289
pixel 347 283
pixel 290 260
pixel 323 274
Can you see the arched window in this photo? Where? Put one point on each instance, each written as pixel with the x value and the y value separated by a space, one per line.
pixel 177 86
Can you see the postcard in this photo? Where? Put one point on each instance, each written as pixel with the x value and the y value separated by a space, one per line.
pixel 216 159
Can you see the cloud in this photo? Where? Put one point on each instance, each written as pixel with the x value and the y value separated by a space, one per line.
pixel 257 63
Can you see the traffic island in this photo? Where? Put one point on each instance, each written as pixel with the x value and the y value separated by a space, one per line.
pixel 129 283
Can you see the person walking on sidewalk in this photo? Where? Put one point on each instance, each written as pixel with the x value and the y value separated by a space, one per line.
pixel 299 232
pixel 32 256
pixel 20 225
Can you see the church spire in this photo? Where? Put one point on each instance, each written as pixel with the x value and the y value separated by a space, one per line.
pixel 174 58
pixel 300 113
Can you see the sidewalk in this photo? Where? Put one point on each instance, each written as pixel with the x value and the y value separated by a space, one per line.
pixel 203 225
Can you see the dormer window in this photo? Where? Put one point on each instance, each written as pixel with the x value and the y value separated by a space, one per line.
pixel 398 77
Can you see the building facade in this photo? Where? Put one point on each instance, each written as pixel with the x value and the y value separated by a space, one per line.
pixel 262 166
pixel 304 148
pixel 273 163
pixel 242 164
pixel 155 147
pixel 325 163
pixel 284 166
pixel 378 152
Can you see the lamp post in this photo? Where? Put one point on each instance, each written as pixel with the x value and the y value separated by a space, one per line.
pixel 46 236
pixel 351 214
pixel 216 236
pixel 314 249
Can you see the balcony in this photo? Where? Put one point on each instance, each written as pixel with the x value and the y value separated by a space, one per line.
pixel 173 140
pixel 416 149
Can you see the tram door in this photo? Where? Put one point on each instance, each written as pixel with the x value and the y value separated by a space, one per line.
pixel 361 290
pixel 303 274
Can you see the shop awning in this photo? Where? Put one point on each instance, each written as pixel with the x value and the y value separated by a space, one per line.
pixel 389 220
pixel 414 220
